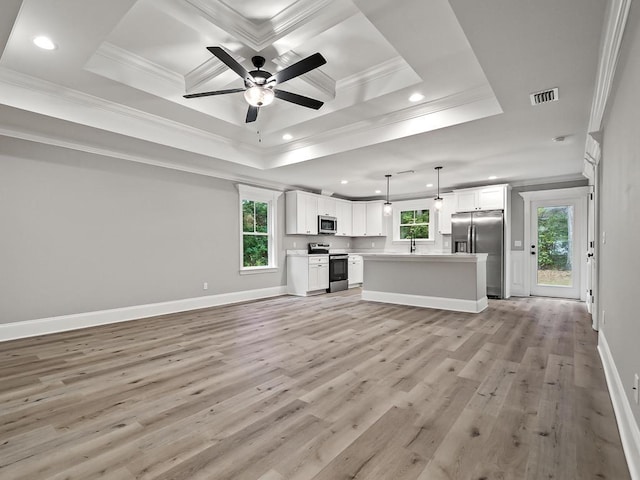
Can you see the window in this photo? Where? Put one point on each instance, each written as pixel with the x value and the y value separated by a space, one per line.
pixel 412 219
pixel 257 227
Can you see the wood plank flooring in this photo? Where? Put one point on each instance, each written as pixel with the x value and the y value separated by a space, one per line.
pixel 321 388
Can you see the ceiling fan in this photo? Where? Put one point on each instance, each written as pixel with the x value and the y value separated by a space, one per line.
pixel 260 85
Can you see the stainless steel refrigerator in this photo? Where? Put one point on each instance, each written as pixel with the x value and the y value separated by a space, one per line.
pixel 482 232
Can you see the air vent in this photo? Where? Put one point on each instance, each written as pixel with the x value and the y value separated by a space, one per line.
pixel 545 96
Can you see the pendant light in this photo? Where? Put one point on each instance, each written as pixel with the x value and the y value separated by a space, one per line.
pixel 437 202
pixel 387 209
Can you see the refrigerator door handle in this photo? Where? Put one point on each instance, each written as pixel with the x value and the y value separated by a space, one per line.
pixel 469 249
pixel 473 239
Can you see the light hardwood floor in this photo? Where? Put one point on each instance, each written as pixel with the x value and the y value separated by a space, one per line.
pixel 322 388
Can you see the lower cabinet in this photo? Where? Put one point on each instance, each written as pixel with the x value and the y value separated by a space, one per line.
pixel 356 270
pixel 307 275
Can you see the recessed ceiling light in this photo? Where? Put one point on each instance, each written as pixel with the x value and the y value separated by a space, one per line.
pixel 429 185
pixel 44 43
pixel 344 182
pixel 492 177
pixel 287 136
pixel 416 97
pixel 378 191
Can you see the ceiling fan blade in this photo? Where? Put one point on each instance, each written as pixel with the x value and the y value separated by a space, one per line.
pixel 231 62
pixel 298 99
pixel 303 66
pixel 217 92
pixel 252 114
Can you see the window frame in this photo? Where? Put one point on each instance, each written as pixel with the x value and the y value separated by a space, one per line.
pixel 270 197
pixel 423 204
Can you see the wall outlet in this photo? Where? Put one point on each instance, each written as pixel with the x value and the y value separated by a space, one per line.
pixel 604 238
pixel 517 243
pixel 636 387
pixel 446 243
pixel 348 244
pixel 602 317
pixel 373 244
pixel 205 286
pixel 294 244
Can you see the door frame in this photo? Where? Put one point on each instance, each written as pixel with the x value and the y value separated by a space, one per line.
pixel 578 194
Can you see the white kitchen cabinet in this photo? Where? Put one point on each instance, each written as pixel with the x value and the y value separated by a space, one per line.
pixel 444 215
pixel 482 198
pixel 374 219
pixel 326 206
pixel 301 212
pixel 344 215
pixel 367 219
pixel 355 270
pixel 359 222
pixel 307 274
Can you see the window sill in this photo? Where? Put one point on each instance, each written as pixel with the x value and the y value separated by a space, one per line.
pixel 256 270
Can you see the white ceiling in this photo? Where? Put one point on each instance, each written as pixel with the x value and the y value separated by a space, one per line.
pixel 114 86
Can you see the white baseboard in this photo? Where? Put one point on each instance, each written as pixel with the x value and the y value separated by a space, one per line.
pixel 63 323
pixel 455 304
pixel 629 430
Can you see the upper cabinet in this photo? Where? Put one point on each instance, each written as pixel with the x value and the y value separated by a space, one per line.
pixel 354 219
pixel 493 197
pixel 327 206
pixel 344 215
pixel 444 215
pixel 301 210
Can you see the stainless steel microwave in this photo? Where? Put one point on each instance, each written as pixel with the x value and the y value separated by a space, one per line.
pixel 327 225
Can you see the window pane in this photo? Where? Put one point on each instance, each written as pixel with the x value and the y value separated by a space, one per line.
pixel 255 249
pixel 554 245
pixel 421 231
pixel 407 217
pixel 261 217
pixel 422 216
pixel 247 216
pixel 405 232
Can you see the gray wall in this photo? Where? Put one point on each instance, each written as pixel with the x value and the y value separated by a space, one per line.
pixel 82 232
pixel 620 212
pixel 517 207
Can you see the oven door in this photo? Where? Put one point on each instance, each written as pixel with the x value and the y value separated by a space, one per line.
pixel 338 268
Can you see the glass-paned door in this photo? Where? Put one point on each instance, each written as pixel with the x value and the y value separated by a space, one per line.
pixel 554 249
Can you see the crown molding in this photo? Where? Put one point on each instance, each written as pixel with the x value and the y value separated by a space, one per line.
pixel 393 66
pixel 44 97
pixel 258 36
pixel 615 23
pixel 116 59
pixel 390 126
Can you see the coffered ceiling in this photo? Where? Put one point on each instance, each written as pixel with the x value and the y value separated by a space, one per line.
pixel 115 84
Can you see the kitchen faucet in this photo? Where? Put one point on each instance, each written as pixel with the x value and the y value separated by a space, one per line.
pixel 412 247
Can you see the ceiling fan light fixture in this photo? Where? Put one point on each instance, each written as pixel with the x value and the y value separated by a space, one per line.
pixel 258 96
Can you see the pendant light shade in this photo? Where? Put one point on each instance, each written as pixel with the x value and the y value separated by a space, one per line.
pixel 258 96
pixel 386 208
pixel 437 202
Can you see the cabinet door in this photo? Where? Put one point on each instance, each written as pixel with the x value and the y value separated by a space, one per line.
pixel 359 219
pixel 355 270
pixel 310 203
pixel 491 198
pixel 466 201
pixel 444 215
pixel 345 218
pixel 314 278
pixel 374 219
pixel 326 206
pixel 323 276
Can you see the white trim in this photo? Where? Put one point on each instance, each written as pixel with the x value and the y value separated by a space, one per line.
pixel 63 323
pixel 455 304
pixel 610 50
pixel 517 267
pixel 629 430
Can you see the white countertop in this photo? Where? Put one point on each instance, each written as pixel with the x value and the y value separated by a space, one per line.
pixel 406 256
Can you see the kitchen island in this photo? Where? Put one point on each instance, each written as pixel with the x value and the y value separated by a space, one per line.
pixel 445 281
